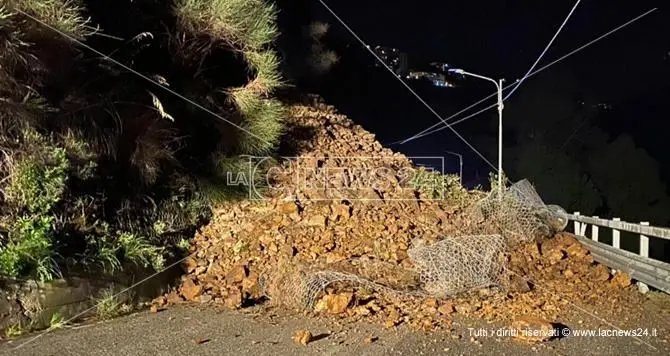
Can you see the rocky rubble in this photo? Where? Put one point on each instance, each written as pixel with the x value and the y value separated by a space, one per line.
pixel 363 225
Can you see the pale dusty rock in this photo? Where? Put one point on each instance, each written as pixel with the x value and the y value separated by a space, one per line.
pixel 600 273
pixel 302 337
pixel 317 221
pixel 446 309
pixel 334 303
pixel 621 280
pixel 577 250
pixel 234 299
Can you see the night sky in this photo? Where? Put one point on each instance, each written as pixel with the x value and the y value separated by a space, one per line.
pixel 628 70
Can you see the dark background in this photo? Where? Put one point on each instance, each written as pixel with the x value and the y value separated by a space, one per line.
pixel 627 71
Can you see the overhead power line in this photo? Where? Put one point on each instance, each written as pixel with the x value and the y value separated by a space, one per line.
pixel 432 129
pixel 406 85
pixel 545 50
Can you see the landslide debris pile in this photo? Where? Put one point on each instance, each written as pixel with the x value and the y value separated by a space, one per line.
pixel 382 248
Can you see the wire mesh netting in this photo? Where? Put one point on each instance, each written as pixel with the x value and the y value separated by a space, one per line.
pixel 458 264
pixel 473 259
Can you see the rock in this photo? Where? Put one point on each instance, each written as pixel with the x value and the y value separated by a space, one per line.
pixel 555 255
pixel 190 290
pixel 334 258
pixel 289 208
pixel 302 337
pixel 174 298
pixel 155 309
pixel 159 301
pixel 464 308
pixel 234 299
pixel 190 264
pixel 532 329
pixel 237 274
pixel 250 284
pixel 576 250
pixel 430 302
pixel 317 221
pixel 370 339
pixel 205 298
pixel 600 273
pixel 518 284
pixel 334 303
pixel 621 280
pixel 446 308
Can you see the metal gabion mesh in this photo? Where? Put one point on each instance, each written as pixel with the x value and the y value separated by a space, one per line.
pixel 458 264
pixel 470 260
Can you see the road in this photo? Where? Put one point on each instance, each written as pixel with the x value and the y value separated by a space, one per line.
pixel 189 330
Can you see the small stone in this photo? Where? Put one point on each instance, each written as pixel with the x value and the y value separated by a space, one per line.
pixel 334 303
pixel 205 298
pixel 621 280
pixel 600 273
pixel 370 339
pixel 302 337
pixel 519 284
pixel 317 221
pixel 237 274
pixel 446 308
pixel 190 290
pixel 431 303
pixel 190 264
pixel 234 299
pixel 173 298
pixel 289 208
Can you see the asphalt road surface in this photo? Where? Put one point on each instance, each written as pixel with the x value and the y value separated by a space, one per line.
pixel 188 330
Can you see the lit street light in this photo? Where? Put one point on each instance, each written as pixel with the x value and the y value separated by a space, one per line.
pixel 460 164
pixel 499 86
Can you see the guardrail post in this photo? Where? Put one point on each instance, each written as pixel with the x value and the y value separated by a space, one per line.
pixel 616 239
pixel 616 236
pixel 577 223
pixel 594 231
pixel 644 252
pixel 644 242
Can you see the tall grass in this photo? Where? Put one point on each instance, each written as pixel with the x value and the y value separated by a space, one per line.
pixel 248 24
pixel 63 15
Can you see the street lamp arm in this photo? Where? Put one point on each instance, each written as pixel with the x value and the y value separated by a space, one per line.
pixel 481 77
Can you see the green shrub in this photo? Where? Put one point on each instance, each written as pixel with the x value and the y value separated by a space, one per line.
pixel 137 249
pixel 38 184
pixel 28 248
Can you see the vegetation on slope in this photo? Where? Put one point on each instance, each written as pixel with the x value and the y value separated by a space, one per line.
pixel 100 167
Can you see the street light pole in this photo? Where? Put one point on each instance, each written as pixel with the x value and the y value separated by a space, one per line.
pixel 499 87
pixel 460 164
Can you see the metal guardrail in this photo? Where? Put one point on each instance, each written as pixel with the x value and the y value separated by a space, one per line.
pixel 645 270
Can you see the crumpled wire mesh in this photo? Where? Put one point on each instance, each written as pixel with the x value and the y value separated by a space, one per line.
pixel 519 215
pixel 471 260
pixel 458 264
